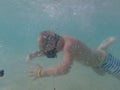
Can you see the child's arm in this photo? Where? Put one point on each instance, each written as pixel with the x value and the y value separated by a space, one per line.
pixel 57 70
pixel 33 55
pixel 60 69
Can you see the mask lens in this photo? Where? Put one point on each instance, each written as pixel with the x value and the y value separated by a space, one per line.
pixel 51 53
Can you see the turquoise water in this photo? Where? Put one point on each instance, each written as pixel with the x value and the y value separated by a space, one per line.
pixel 22 20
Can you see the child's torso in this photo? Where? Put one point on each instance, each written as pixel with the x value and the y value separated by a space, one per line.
pixel 83 54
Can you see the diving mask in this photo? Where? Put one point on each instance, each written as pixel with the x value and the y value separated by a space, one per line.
pixel 50 43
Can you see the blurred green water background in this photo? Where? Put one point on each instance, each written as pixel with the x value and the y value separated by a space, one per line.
pixel 22 20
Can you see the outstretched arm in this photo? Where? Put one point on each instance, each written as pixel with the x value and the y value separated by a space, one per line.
pixel 33 55
pixel 60 69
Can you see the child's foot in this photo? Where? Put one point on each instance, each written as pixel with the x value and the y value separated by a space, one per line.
pixel 105 43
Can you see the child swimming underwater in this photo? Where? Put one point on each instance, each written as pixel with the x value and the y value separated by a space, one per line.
pixel 73 49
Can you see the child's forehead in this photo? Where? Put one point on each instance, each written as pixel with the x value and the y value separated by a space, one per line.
pixel 47 33
pixel 39 39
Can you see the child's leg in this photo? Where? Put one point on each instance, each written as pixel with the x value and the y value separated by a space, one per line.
pixel 111 65
pixel 105 43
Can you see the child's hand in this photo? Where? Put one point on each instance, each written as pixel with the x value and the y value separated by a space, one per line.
pixel 36 72
pixel 28 58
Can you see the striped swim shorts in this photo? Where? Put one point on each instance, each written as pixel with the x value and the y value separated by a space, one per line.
pixel 111 65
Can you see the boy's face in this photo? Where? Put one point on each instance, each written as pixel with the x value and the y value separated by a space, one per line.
pixel 42 43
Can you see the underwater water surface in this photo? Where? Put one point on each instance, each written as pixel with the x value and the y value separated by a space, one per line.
pixel 89 20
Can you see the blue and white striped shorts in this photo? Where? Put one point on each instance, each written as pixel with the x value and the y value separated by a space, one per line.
pixel 111 65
